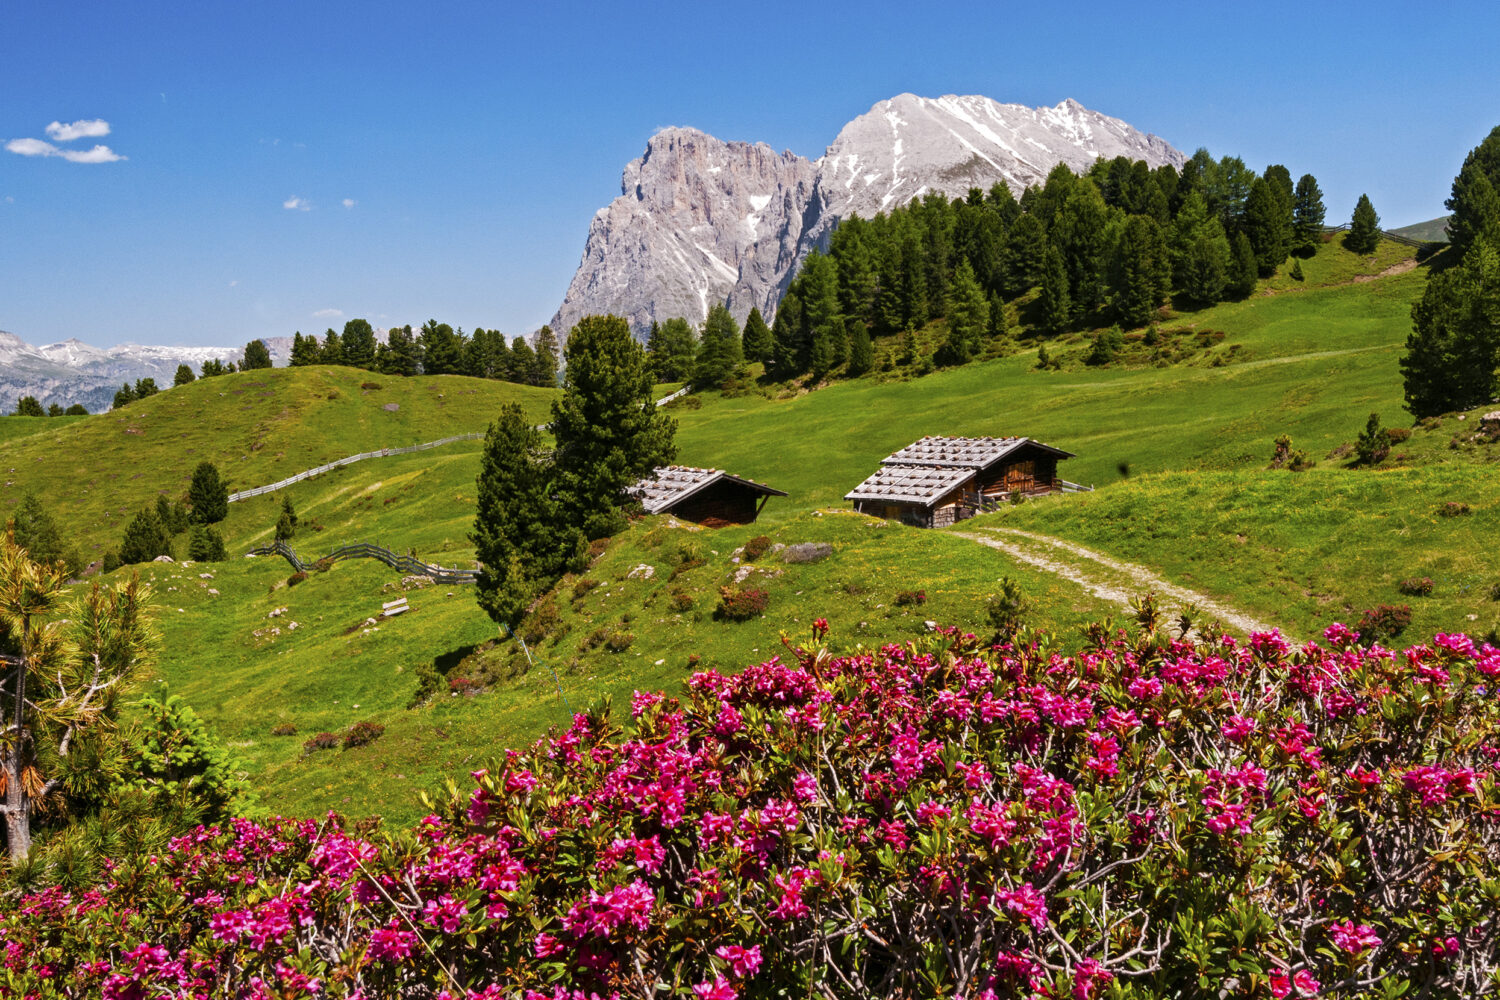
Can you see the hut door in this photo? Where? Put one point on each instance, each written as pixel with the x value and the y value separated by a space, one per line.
pixel 1021 476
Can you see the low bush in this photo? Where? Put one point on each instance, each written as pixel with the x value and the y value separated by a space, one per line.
pixel 911 598
pixel 582 586
pixel 543 620
pixel 296 578
pixel 618 641
pixel 756 547
pixel 284 729
pixel 463 686
pixel 362 734
pixel 681 601
pixel 1398 434
pixel 685 566
pixel 370 385
pixel 738 604
pixel 1416 586
pixel 1384 622
pixel 322 741
pixel 1453 508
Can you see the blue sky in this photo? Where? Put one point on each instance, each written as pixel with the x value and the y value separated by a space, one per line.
pixel 285 166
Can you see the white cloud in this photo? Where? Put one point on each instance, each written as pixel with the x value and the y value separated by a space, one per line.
pixel 36 147
pixel 236 281
pixel 86 129
pixel 350 203
pixel 297 204
pixel 328 314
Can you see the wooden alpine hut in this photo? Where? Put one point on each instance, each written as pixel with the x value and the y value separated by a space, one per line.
pixel 705 496
pixel 939 480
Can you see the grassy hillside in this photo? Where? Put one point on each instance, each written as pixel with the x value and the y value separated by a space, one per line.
pixel 1433 230
pixel 257 426
pixel 1178 452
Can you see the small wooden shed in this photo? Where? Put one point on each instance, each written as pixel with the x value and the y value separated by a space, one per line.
pixel 938 480
pixel 703 495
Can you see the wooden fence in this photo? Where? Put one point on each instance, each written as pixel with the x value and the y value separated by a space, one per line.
pixel 382 453
pixel 1386 235
pixel 408 565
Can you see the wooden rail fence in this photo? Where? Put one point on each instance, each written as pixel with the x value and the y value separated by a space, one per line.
pixel 408 565
pixel 1387 235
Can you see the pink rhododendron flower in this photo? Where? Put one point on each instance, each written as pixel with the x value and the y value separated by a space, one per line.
pixel 719 989
pixel 1353 938
pixel 1026 902
pixel 743 962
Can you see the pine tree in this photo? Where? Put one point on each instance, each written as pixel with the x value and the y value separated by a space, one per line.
pixel 76 410
pixel 827 346
pixel 544 370
pixel 54 409
pixel 1243 268
pixel 1141 273
pixel 758 344
pixel 1307 216
pixel 29 406
pixel 968 317
pixel 1364 228
pixel 286 523
pixel 1454 346
pixel 124 396
pixel 145 388
pixel 719 349
pixel 145 539
pixel 211 368
pixel 183 377
pixel 172 517
pixel 1374 442
pixel 1474 208
pixel 359 344
pixel 1081 232
pixel 256 356
pixel 608 429
pixel 1268 224
pixel 999 321
pixel 1055 301
pixel 208 495
pixel 1022 257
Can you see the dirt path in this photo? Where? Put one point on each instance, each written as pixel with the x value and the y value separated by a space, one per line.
pixel 1110 579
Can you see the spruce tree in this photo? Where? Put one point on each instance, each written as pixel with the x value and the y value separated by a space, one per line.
pixel 786 337
pixel 827 346
pixel 1307 216
pixel 184 376
pixel 1141 272
pixel 522 362
pixel 205 544
pixel 403 355
pixel 607 427
pixel 719 349
pixel 208 495
pixel 286 523
pixel 1081 232
pixel 256 356
pixel 124 396
pixel 54 409
pixel 1473 208
pixel 304 350
pixel 332 350
pixel 145 388
pixel 1374 442
pixel 145 538
pixel 758 344
pixel 442 351
pixel 1055 302
pixel 211 368
pixel 1454 346
pixel 359 344
pixel 1364 228
pixel 37 532
pixel 1243 268
pixel 1268 225
pixel 672 350
pixel 544 370
pixel 29 406
pixel 1022 256
pixel 521 539
pixel 861 351
pixel 968 317
pixel 76 410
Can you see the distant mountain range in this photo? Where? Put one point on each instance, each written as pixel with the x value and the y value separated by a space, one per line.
pixel 701 221
pixel 74 372
pixel 1433 230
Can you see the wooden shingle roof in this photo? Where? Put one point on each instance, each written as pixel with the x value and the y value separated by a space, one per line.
pixel 674 483
pixel 913 484
pixel 964 452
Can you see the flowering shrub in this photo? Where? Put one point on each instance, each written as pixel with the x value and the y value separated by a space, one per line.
pixel 738 604
pixel 1385 622
pixel 322 741
pixel 1144 818
pixel 362 733
pixel 910 598
pixel 1453 508
pixel 284 729
pixel 756 547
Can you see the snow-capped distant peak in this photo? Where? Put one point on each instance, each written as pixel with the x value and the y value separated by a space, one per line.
pixel 71 352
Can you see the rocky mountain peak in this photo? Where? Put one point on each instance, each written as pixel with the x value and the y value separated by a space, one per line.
pixel 701 221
